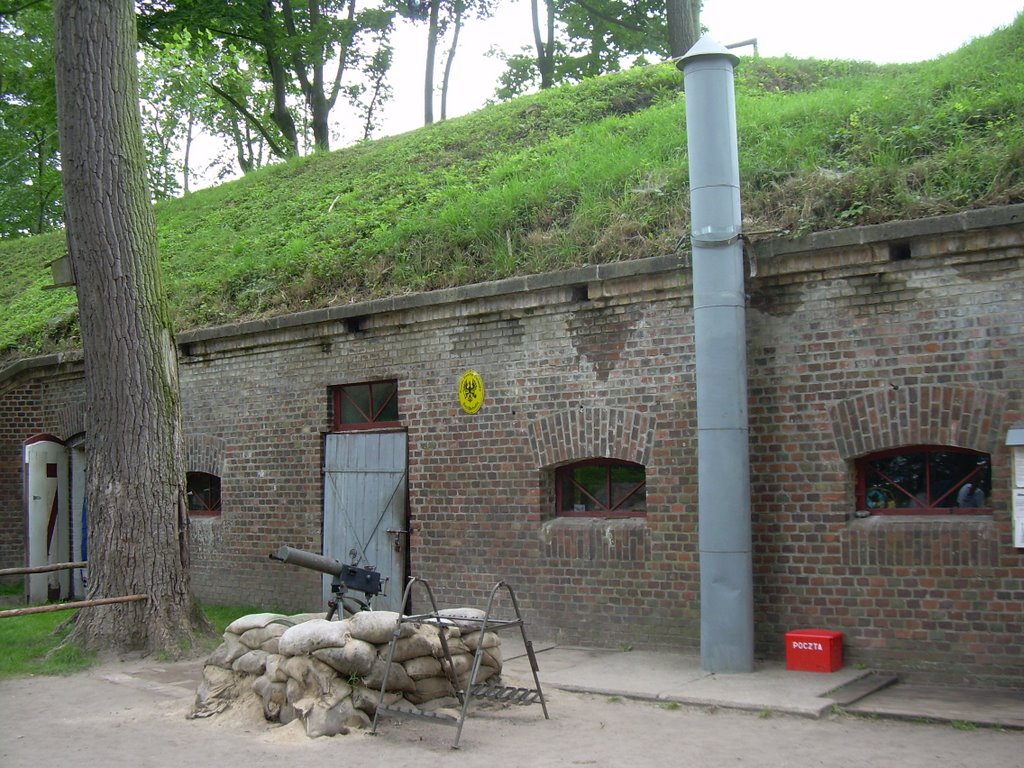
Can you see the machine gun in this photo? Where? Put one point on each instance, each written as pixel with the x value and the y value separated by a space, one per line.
pixel 344 577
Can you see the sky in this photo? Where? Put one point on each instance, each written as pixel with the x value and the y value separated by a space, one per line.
pixel 882 31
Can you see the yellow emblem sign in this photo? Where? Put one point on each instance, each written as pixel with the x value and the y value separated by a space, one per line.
pixel 471 391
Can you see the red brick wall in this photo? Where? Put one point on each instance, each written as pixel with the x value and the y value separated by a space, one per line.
pixel 848 352
pixel 29 406
pixel 19 419
pixel 866 355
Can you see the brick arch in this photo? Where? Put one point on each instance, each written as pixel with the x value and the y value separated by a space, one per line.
pixel 588 432
pixel 205 453
pixel 920 415
pixel 71 419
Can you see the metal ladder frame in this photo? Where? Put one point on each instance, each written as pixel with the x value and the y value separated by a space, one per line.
pixel 506 694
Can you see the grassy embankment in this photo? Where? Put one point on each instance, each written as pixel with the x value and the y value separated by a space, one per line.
pixel 590 173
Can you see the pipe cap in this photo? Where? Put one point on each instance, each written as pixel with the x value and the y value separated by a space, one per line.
pixel 703 48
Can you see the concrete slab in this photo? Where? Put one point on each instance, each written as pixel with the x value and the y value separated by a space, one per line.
pixel 675 677
pixel 970 706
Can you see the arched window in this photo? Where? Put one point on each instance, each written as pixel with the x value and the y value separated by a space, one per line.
pixel 924 480
pixel 601 488
pixel 203 493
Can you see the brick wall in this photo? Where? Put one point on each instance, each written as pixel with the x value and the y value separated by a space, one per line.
pixel 852 347
pixel 851 352
pixel 30 406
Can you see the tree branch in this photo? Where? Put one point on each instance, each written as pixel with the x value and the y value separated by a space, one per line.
pixel 298 66
pixel 18 8
pixel 250 118
pixel 610 19
pixel 343 57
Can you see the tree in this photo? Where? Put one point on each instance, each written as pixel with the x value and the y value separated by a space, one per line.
pixel 30 201
pixel 584 38
pixel 177 102
pixel 440 16
pixel 544 44
pixel 305 54
pixel 135 489
pixel 683 20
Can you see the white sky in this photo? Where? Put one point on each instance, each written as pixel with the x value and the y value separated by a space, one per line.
pixel 883 31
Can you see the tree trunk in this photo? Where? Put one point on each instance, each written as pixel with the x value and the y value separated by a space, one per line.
pixel 185 173
pixel 545 48
pixel 428 69
pixel 683 19
pixel 135 488
pixel 459 8
pixel 280 114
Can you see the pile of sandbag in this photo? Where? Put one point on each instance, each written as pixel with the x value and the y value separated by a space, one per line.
pixel 328 674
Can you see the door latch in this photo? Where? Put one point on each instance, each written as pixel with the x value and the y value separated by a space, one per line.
pixel 396 534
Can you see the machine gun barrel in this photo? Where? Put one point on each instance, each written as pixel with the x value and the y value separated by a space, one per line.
pixel 309 560
pixel 366 580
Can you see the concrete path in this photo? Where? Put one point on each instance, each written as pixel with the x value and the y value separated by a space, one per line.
pixel 676 677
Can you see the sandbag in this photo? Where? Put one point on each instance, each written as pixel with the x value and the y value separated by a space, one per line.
pixel 251 663
pixel 455 645
pixel 376 627
pixel 462 663
pixel 215 693
pixel 365 699
pixel 356 657
pixel 255 638
pixel 272 695
pixel 416 644
pixel 430 688
pixel 310 672
pixel 474 640
pixel 322 720
pixel 243 624
pixel 225 654
pixel 273 669
pixel 311 635
pixel 423 666
pixel 398 678
pixel 483 674
pixel 491 657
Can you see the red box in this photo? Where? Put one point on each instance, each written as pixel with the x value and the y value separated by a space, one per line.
pixel 814 650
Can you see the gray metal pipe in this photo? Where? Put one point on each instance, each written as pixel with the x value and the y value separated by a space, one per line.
pixel 719 309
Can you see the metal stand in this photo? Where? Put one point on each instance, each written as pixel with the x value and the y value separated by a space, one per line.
pixel 505 694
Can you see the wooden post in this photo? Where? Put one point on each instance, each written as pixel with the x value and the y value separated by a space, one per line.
pixel 43 568
pixel 70 606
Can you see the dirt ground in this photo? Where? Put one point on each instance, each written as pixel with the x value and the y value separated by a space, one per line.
pixel 134 713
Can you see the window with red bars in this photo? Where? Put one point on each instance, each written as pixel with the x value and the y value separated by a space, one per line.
pixel 601 488
pixel 924 480
pixel 365 405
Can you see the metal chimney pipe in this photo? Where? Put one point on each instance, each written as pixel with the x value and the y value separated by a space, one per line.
pixel 719 306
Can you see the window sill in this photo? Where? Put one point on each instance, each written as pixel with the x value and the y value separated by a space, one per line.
pixel 909 515
pixel 876 520
pixel 596 539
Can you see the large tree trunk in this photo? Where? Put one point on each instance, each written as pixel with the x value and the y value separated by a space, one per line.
pixel 138 521
pixel 683 19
